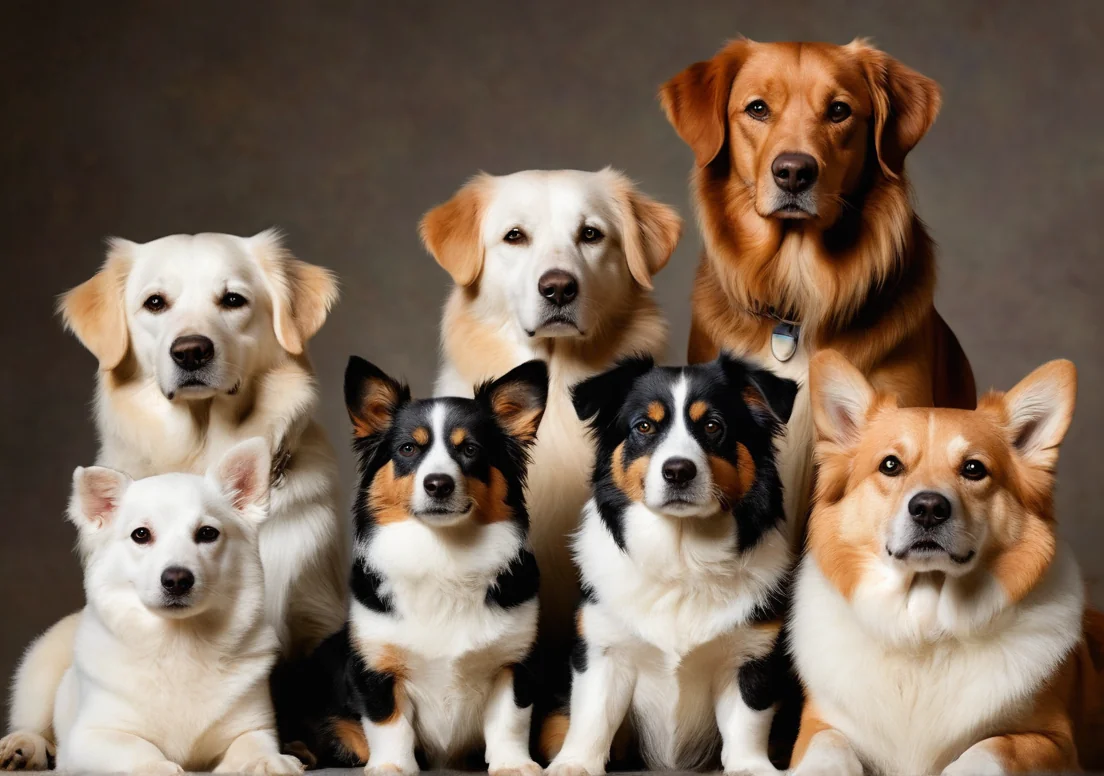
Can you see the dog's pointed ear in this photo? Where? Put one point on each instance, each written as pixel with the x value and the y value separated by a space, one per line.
pixel 371 397
pixel 1039 411
pixel 599 398
pixel 244 475
pixel 517 399
pixel 97 492
pixel 452 232
pixel 769 397
pixel 302 294
pixel 841 396
pixel 650 230
pixel 95 310
pixel 905 105
pixel 696 101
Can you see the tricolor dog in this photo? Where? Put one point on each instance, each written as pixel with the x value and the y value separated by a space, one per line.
pixel 939 623
pixel 201 341
pixel 685 565
pixel 444 585
pixel 172 652
pixel 555 265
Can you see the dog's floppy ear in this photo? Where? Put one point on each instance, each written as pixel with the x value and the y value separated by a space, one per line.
pixel 841 397
pixel 452 231
pixel 650 230
pixel 905 105
pixel 599 398
pixel 97 492
pixel 1039 411
pixel 95 310
pixel 302 294
pixel 244 475
pixel 517 399
pixel 696 100
pixel 769 397
pixel 371 397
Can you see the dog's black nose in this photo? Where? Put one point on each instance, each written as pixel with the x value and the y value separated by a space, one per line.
pixel 929 509
pixel 679 471
pixel 794 172
pixel 558 287
pixel 439 485
pixel 192 352
pixel 177 580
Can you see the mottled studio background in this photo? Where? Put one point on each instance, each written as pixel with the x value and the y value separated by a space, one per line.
pixel 343 121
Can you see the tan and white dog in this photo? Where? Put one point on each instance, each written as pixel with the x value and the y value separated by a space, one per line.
pixel 201 344
pixel 939 623
pixel 556 266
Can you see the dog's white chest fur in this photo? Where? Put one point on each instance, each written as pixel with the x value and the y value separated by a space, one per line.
pixel 675 609
pixel 452 644
pixel 914 709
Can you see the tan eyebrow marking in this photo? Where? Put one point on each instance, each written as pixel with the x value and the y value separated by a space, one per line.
pixel 421 435
pixel 656 412
pixel 458 436
pixel 697 410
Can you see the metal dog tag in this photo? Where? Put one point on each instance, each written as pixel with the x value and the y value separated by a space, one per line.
pixel 784 341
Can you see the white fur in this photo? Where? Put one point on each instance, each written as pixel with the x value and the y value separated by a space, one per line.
pixel 257 388
pixel 163 689
pixel 551 206
pixel 454 692
pixel 665 640
pixel 914 670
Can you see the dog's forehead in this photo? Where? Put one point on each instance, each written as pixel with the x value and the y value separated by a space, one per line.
pixel 558 197
pixel 437 416
pixel 808 68
pixel 167 500
pixel 939 436
pixel 202 259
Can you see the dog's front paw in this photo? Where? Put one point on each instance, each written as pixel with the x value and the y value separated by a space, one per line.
pixel 157 768
pixel 829 754
pixel 521 768
pixel 572 767
pixel 273 765
pixel 391 769
pixel 25 751
pixel 750 767
pixel 975 761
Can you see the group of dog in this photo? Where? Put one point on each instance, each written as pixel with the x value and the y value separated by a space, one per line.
pixel 574 555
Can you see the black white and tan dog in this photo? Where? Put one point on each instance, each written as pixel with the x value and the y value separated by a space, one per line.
pixel 444 585
pixel 684 566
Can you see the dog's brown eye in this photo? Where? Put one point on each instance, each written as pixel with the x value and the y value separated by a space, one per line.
pixel 233 301
pixel 839 111
pixel 758 110
pixel 470 450
pixel 712 427
pixel 206 535
pixel 645 427
pixel 974 470
pixel 590 235
pixel 515 237
pixel 155 303
pixel 141 536
pixel 407 450
pixel 891 466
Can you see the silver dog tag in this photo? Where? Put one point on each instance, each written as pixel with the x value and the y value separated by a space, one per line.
pixel 784 341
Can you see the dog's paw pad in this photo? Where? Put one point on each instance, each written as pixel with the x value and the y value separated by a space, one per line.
pixel 273 765
pixel 391 769
pixel 22 751
pixel 160 768
pixel 517 769
pixel 573 769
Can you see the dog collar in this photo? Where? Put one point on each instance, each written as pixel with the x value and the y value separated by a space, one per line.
pixel 786 333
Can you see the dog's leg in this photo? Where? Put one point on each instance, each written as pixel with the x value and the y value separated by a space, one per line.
pixel 258 753
pixel 1044 751
pixel 30 744
pixel 506 726
pixel 601 690
pixel 745 723
pixel 821 750
pixel 391 740
pixel 113 751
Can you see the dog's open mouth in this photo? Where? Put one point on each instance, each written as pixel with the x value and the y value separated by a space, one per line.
pixel 925 548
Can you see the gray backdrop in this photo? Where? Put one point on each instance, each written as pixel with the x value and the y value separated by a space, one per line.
pixel 342 122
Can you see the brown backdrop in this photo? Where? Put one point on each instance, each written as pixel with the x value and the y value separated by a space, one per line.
pixel 343 122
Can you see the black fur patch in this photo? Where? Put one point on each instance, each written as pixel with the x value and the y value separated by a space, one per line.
pixel 524 682
pixel 517 583
pixel 375 690
pixel 365 584
pixel 760 679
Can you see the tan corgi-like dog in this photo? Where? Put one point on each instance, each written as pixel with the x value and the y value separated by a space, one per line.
pixel 939 623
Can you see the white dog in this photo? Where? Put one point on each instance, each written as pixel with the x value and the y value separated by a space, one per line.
pixel 556 266
pixel 201 343
pixel 172 652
